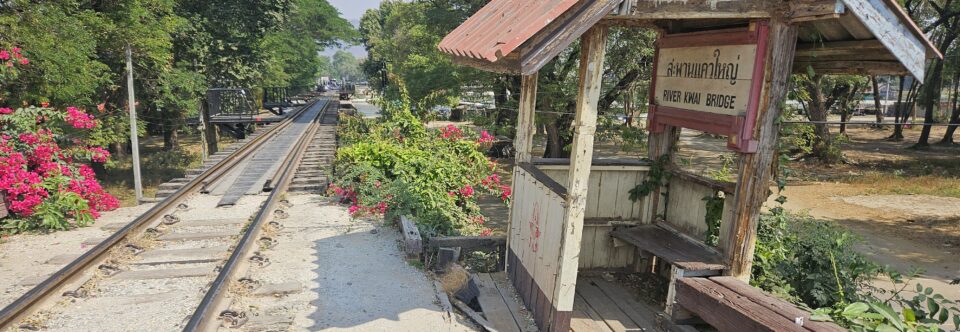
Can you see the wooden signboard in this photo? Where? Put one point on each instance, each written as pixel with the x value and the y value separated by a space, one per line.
pixel 710 81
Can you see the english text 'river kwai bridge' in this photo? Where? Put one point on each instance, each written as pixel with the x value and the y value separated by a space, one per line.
pixel 722 67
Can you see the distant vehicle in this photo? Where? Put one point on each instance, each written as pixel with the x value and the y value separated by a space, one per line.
pixel 347 90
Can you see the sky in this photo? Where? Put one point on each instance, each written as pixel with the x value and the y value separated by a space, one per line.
pixel 352 10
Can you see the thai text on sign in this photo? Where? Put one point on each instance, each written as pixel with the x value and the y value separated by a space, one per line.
pixel 715 79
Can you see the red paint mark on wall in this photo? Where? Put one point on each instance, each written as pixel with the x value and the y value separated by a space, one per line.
pixel 535 227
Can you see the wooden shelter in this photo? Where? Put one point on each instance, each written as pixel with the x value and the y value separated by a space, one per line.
pixel 722 67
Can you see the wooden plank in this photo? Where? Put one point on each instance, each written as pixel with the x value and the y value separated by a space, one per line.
pixel 556 36
pixel 754 173
pixel 694 9
pixel 864 67
pixel 602 246
pixel 468 242
pixel 608 188
pixel 525 119
pixel 474 315
pixel 672 247
pixel 615 318
pixel 724 186
pixel 640 313
pixel 585 319
pixel 891 32
pixel 726 310
pixel 592 45
pixel 510 298
pixel 784 308
pixel 587 247
pixel 3 205
pixel 444 301
pixel 493 305
pixel 593 195
pixel 412 243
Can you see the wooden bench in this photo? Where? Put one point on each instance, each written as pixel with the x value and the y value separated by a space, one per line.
pixel 729 304
pixel 687 257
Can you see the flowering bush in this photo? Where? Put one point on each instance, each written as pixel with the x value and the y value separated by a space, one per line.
pixel 43 174
pixel 394 166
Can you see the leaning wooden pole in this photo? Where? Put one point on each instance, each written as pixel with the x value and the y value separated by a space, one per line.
pixel 592 50
pixel 755 168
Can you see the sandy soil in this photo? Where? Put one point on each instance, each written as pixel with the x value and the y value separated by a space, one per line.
pixel 902 231
pixel 351 273
pixel 28 256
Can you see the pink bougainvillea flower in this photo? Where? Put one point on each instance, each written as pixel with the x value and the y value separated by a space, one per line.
pixel 382 206
pixel 101 107
pixel 4 55
pixel 80 120
pixel 24 61
pixel 485 137
pixel 506 192
pixel 5 110
pixel 466 191
pixel 10 64
pixel 353 209
pixel 486 232
pixel 44 104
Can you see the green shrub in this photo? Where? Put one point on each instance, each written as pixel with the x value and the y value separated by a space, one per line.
pixel 809 261
pixel 394 166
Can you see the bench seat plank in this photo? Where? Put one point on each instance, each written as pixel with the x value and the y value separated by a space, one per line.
pixel 671 247
pixel 728 311
pixel 784 308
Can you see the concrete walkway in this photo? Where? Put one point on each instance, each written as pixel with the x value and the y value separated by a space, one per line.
pixel 352 273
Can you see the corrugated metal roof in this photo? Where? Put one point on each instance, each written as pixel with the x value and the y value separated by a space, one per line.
pixel 502 26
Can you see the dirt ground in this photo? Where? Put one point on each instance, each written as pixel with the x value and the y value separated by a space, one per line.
pixel 901 201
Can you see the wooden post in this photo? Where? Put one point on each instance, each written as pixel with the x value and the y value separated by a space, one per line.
pixel 523 142
pixel 754 173
pixel 525 120
pixel 658 145
pixel 209 130
pixel 134 143
pixel 592 49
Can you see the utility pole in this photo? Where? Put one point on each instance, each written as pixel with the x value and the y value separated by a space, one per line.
pixel 134 142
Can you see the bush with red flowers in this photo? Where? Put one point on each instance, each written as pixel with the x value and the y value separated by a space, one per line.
pixel 395 166
pixel 44 176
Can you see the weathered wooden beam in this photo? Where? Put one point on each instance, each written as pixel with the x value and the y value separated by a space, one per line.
pixel 892 32
pixel 3 205
pixel 468 242
pixel 851 67
pixel 726 310
pixel 691 9
pixel 724 186
pixel 525 119
pixel 412 242
pixel 592 50
pixel 854 47
pixel 801 11
pixel 550 41
pixel 753 180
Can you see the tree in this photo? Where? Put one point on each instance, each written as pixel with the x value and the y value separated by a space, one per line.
pixel 346 66
pixel 819 94
pixel 944 16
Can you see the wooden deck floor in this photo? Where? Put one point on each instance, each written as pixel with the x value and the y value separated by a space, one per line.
pixel 604 306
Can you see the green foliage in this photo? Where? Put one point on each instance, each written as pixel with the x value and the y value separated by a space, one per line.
pixel 808 260
pixel 394 165
pixel 713 217
pixel 659 176
pixel 925 311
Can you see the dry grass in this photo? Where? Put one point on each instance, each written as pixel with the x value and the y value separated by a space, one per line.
pixel 935 185
pixel 454 279
pixel 156 167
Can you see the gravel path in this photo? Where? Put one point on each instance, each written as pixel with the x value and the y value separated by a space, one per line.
pixel 341 274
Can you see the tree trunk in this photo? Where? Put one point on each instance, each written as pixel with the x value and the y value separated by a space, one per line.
pixel 955 114
pixel 554 148
pixel 817 111
pixel 843 122
pixel 929 100
pixel 876 98
pixel 171 140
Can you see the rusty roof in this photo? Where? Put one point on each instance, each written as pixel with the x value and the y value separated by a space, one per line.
pixel 502 26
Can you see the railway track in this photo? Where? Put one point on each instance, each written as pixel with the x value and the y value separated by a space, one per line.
pixel 177 265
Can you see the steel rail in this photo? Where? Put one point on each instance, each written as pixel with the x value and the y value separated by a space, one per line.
pixel 23 306
pixel 213 178
pixel 205 316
